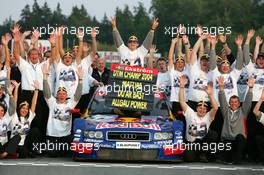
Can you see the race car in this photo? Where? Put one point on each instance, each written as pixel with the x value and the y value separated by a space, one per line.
pixel 106 135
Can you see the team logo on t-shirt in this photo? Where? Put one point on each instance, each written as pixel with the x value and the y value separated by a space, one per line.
pixel 243 78
pixel 3 130
pixel 62 115
pixel 138 61
pixel 200 84
pixel 199 130
pixel 20 128
pixel 259 78
pixel 67 75
pixel 176 82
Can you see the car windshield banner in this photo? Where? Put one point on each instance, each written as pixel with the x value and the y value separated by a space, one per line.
pixel 131 87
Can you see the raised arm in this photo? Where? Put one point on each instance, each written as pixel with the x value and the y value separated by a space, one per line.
pixel 34 39
pixel 60 41
pixel 46 88
pixel 214 104
pixel 152 52
pixel 116 35
pixel 5 40
pixel 17 40
pixel 183 82
pixel 223 39
pixel 256 110
pixel 212 61
pixel 78 92
pixel 246 51
pixel 222 97
pixel 13 97
pixel 94 44
pixel 239 59
pixel 171 52
pixel 257 46
pixel 52 40
pixel 185 41
pixel 246 106
pixel 149 38
pixel 35 96
pixel 80 36
pixel 196 47
pixel 22 48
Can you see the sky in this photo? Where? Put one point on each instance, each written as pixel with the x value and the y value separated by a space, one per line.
pixel 94 7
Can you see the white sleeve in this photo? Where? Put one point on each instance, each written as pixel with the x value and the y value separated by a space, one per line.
pixel 23 64
pixel 261 120
pixel 51 101
pixel 143 51
pixel 31 116
pixel 122 49
pixel 235 73
pixel 189 113
pixel 90 80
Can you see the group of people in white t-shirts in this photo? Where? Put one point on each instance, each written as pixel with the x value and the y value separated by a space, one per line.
pixel 206 90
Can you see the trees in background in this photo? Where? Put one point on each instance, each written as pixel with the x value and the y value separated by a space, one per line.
pixel 241 15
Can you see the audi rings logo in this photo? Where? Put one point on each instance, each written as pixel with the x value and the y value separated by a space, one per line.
pixel 128 136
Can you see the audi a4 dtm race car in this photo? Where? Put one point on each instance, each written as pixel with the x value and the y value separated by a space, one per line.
pixel 106 133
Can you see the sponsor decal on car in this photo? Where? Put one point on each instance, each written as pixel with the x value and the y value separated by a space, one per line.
pixel 152 126
pixel 127 145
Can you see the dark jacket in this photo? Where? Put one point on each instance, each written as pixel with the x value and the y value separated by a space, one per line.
pixel 104 78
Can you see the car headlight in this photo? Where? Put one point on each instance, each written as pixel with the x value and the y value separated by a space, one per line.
pixel 93 134
pixel 163 136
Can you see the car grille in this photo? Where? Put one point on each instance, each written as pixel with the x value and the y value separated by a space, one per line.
pixel 127 154
pixel 128 136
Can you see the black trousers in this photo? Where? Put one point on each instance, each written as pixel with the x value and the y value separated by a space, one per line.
pixel 254 128
pixel 191 154
pixel 237 149
pixel 42 112
pixel 11 146
pixel 31 139
pixel 260 147
pixel 59 146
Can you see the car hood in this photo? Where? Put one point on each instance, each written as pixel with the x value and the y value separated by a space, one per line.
pixel 114 122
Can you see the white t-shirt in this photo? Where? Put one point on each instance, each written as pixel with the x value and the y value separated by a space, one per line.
pixel 163 80
pixel 198 83
pixel 230 82
pixel 60 117
pixel 261 120
pixel 132 58
pixel 21 127
pixel 4 128
pixel 175 84
pixel 258 74
pixel 29 73
pixel 196 127
pixel 66 76
pixel 87 72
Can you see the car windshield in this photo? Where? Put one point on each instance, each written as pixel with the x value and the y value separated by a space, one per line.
pixel 98 106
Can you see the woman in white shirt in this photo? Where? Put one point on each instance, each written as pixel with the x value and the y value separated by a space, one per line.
pixel 21 121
